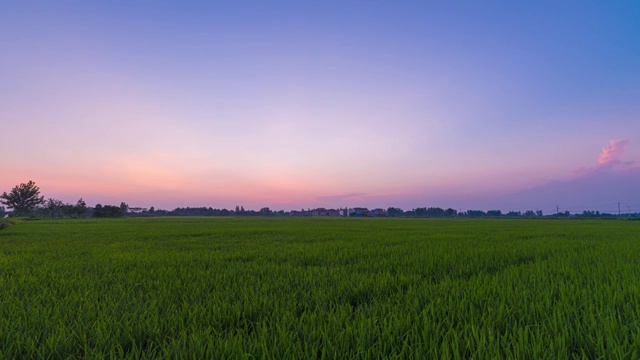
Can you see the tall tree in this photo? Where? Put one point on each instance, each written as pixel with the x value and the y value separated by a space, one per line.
pixel 81 208
pixel 53 206
pixel 68 210
pixel 124 208
pixel 23 198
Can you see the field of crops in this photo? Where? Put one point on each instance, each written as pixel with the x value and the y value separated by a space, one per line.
pixel 320 288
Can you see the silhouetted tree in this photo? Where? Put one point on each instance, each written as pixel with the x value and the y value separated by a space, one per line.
pixel 107 211
pixel 80 208
pixel 68 210
pixel 476 213
pixel 53 207
pixel 23 198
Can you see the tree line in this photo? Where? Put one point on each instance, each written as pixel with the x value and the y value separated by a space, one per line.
pixel 436 212
pixel 25 200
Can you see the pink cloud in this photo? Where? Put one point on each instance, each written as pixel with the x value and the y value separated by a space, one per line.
pixel 613 151
pixel 609 159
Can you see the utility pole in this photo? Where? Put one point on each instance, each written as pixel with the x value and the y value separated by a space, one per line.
pixel 629 210
pixel 619 209
pixel 557 210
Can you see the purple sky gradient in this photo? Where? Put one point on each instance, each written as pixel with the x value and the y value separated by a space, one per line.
pixel 296 105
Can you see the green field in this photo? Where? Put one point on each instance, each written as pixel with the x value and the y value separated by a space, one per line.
pixel 320 288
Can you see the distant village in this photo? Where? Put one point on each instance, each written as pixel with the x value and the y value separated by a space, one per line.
pixel 56 209
pixel 346 212
pixel 25 200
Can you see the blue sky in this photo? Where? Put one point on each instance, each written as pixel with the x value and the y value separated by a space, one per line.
pixel 303 104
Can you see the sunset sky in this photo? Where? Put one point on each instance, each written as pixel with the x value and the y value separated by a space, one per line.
pixel 292 104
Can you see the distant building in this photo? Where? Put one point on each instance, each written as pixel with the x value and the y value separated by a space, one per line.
pixel 316 212
pixel 333 212
pixel 319 212
pixel 359 212
pixel 378 212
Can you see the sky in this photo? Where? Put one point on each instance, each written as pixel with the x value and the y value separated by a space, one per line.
pixel 303 104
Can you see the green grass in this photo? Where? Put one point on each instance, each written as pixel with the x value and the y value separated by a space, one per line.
pixel 320 288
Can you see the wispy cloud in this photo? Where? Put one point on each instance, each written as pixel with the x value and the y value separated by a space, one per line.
pixel 611 180
pixel 609 158
pixel 613 151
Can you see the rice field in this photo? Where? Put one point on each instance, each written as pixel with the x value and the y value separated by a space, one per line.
pixel 279 288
